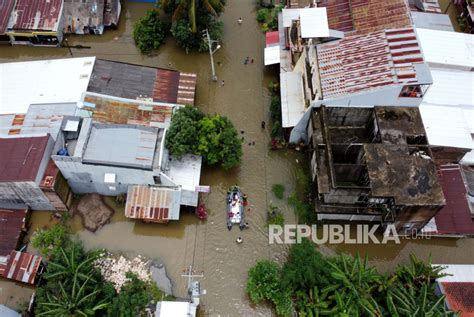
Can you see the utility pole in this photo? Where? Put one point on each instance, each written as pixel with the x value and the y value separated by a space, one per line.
pixel 211 53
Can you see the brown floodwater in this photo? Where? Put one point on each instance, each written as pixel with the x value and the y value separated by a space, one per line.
pixel 208 245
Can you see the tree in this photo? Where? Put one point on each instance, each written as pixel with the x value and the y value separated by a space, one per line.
pixel 215 138
pixel 189 9
pixel 148 32
pixel 182 135
pixel 181 31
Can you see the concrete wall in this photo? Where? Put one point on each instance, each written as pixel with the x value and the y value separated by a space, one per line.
pixel 89 178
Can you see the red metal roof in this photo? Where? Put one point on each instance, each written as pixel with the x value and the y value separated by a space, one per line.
pixel 455 217
pixel 366 15
pixel 6 7
pixel 174 87
pixel 21 267
pixel 272 38
pixel 35 15
pixel 12 222
pixel 460 297
pixel 21 157
pixel 360 62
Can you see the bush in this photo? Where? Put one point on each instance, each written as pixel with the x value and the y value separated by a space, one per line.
pixel 148 32
pixel 48 241
pixel 262 15
pixel 275 108
pixel 278 190
pixel 216 29
pixel 277 131
pixel 275 216
pixel 181 31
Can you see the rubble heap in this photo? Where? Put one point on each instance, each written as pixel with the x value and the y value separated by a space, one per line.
pixel 114 269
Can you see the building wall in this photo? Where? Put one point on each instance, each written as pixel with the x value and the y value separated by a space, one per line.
pixel 89 178
pixel 446 155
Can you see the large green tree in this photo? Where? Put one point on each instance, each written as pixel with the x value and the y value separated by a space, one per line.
pixel 149 32
pixel 190 9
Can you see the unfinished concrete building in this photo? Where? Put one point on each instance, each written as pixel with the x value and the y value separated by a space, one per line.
pixel 373 164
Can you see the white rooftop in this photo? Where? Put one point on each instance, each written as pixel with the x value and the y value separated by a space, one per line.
pixel 447 126
pixel 46 81
pixel 272 55
pixel 175 309
pixel 451 88
pixel 185 172
pixel 292 98
pixel 459 273
pixel 290 15
pixel 447 49
pixel 314 22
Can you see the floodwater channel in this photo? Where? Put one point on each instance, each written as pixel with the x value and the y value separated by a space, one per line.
pixel 244 98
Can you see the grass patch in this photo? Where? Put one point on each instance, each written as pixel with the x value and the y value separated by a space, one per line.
pixel 304 210
pixel 278 190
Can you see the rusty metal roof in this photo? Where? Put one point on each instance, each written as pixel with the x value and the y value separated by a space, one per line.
pixel 21 158
pixel 108 109
pixel 6 7
pixel 153 203
pixel 366 15
pixel 361 62
pixel 21 267
pixel 141 82
pixel 12 223
pixel 43 15
pixel 459 297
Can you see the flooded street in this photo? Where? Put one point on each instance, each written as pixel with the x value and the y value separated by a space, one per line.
pixel 244 98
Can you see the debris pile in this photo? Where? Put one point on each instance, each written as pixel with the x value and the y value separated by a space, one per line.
pixel 114 269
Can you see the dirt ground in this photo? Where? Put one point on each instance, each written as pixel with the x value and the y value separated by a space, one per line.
pixel 93 211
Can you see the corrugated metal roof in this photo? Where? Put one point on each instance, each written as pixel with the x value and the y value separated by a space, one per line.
pixel 121 145
pixel 451 88
pixel 140 82
pixel 107 109
pixel 36 15
pixel 21 158
pixel 292 98
pixel 455 217
pixel 153 203
pixel 47 81
pixel 459 297
pixel 447 126
pixel 6 7
pixel 12 222
pixel 447 49
pixel 21 267
pixel 361 62
pixel 40 119
pixel 272 55
pixel 366 15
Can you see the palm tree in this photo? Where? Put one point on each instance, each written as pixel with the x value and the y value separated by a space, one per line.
pixel 190 7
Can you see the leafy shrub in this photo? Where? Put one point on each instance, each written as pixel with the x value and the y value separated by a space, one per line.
pixel 148 32
pixel 181 31
pixel 278 190
pixel 48 241
pixel 275 108
pixel 277 131
pixel 275 216
pixel 262 15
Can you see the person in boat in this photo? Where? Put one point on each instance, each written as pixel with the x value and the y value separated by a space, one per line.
pixel 239 240
pixel 245 199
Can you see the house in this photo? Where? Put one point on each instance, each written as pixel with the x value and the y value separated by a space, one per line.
pixel 458 288
pixel 13 226
pixel 347 53
pixel 21 267
pixel 28 178
pixel 110 159
pixel 36 23
pixel 66 80
pixel 90 16
pixel 428 14
pixel 373 164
